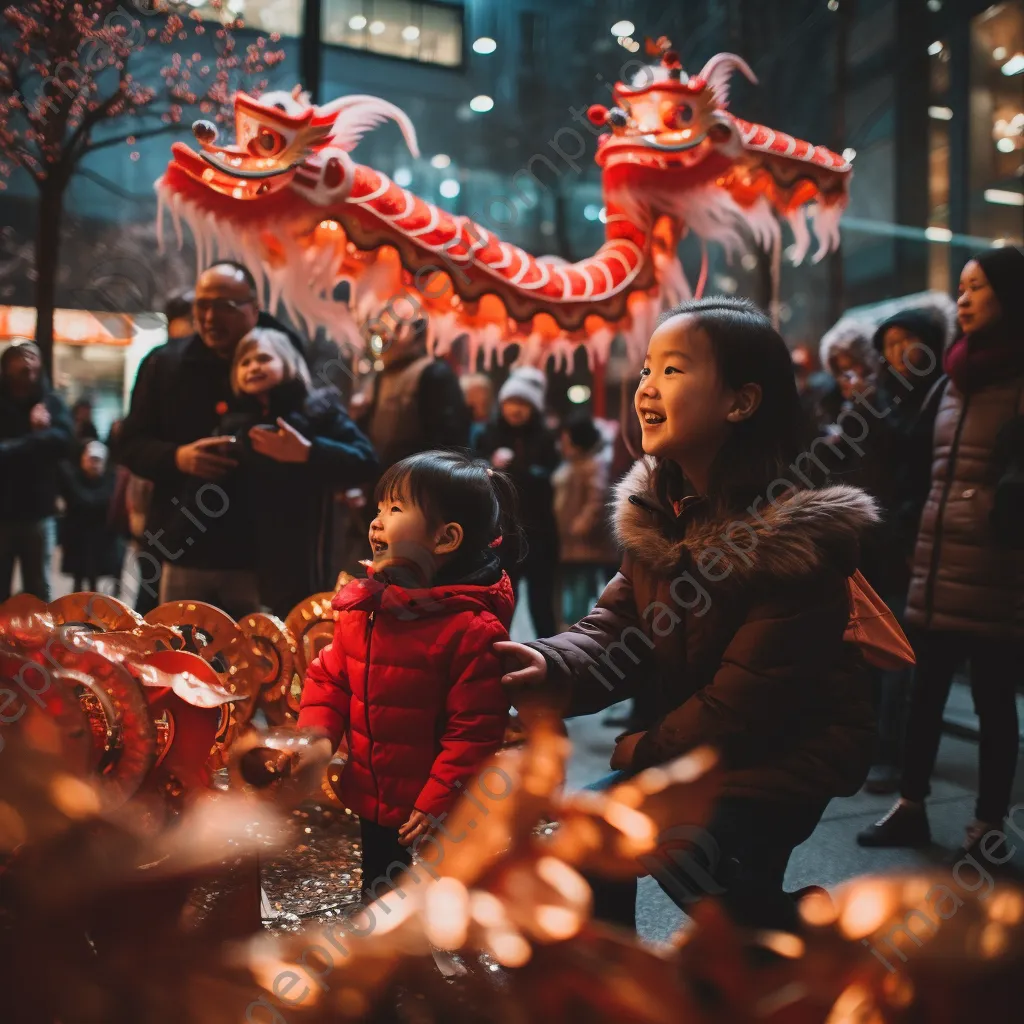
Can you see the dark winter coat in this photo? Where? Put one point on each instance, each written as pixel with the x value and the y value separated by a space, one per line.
pixel 291 505
pixel 30 459
pixel 412 682
pixel 535 448
pixel 90 545
pixel 738 628
pixel 968 570
pixel 182 390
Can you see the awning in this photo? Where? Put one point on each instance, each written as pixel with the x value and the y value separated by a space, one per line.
pixel 70 326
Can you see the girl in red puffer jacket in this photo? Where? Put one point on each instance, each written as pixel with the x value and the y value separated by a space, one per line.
pixel 410 680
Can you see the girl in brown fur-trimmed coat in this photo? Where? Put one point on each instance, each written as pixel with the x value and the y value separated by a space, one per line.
pixel 732 609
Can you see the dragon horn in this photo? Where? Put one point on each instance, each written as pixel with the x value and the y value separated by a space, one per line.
pixel 356 115
pixel 719 69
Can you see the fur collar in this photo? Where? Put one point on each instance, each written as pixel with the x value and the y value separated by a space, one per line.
pixel 787 541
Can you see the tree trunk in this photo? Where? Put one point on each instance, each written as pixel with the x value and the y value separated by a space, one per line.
pixel 47 262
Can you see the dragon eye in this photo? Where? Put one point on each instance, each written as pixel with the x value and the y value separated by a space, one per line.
pixel 676 115
pixel 267 143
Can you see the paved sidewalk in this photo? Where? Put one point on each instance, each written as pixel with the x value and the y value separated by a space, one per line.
pixel 831 855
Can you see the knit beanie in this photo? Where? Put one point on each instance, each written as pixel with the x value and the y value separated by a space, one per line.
pixel 1004 268
pixel 527 383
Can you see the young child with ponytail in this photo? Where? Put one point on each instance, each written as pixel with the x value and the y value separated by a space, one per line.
pixel 411 680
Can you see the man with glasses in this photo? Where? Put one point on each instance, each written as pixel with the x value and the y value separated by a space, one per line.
pixel 194 532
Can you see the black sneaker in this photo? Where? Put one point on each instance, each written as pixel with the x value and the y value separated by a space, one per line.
pixel 904 825
pixel 994 854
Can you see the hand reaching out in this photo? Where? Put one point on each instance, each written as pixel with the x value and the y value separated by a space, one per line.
pixel 417 825
pixel 531 670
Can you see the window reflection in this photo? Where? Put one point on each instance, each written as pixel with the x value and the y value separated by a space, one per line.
pixel 997 122
pixel 431 33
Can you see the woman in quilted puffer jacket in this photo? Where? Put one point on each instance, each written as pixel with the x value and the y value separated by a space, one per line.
pixel 966 599
pixel 410 680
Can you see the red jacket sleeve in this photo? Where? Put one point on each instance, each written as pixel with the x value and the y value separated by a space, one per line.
pixel 326 694
pixel 476 712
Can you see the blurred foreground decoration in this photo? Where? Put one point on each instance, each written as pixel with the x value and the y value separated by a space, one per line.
pixel 149 706
pixel 100 922
pixel 287 199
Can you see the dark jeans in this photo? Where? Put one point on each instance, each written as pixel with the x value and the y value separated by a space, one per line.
pixel 381 852
pixel 539 568
pixel 739 856
pixel 995 670
pixel 30 544
pixel 891 692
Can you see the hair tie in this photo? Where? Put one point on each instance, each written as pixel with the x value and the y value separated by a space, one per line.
pixel 496 543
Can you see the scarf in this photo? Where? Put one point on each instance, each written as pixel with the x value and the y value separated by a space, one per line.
pixel 977 360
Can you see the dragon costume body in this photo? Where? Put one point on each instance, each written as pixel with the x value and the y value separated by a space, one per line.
pixel 288 200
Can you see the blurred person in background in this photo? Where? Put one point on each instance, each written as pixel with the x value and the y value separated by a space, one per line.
pixel 91 547
pixel 201 541
pixel 848 353
pixel 412 404
pixel 36 434
pixel 520 443
pixel 81 417
pixel 178 311
pixel 478 390
pixel 896 469
pixel 580 495
pixel 967 580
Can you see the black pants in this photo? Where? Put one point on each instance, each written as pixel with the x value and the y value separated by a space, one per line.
pixel 539 568
pixel 740 857
pixel 995 669
pixel 381 853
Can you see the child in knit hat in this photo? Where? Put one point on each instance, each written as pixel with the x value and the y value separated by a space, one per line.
pixel 520 444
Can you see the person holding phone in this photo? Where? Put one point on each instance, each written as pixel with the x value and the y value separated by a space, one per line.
pixel 196 534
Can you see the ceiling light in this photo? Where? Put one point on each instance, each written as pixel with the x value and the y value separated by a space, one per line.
pixel 357 23
pixel 936 48
pixel 1004 197
pixel 377 27
pixel 481 104
pixel 1014 66
pixel 623 28
pixel 485 44
pixel 402 177
pixel 833 5
pixel 849 154
pixel 1006 145
pixel 440 161
pixel 591 211
pixel 999 53
pixel 410 33
pixel 578 394
pixel 934 5
pixel 449 188
pixel 941 113
pixel 938 234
